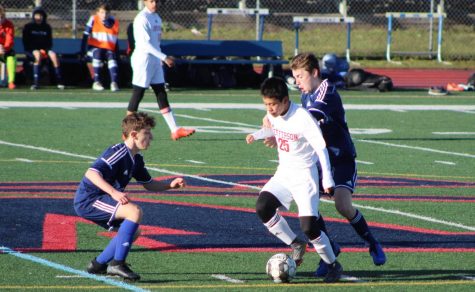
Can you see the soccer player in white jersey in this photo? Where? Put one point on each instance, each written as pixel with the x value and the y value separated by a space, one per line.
pixel 300 145
pixel 147 68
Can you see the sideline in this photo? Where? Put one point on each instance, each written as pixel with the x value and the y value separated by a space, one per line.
pixel 44 262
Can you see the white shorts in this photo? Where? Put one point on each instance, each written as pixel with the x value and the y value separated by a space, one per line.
pixel 300 185
pixel 146 70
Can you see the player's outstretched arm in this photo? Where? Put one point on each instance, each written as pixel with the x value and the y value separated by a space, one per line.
pixel 158 186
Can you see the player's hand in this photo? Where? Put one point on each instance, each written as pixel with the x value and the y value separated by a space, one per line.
pixel 329 191
pixel 2 50
pixel 170 61
pixel 270 142
pixel 120 197
pixel 250 139
pixel 177 183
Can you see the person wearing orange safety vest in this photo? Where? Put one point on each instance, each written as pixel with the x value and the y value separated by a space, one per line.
pixel 100 41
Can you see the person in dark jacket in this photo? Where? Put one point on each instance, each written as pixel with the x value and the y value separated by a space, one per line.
pixel 38 43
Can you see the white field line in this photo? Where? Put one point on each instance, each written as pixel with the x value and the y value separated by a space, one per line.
pixel 196 161
pixel 364 162
pixel 445 162
pixel 232 106
pixel 453 133
pixel 227 279
pixel 416 148
pixel 206 119
pixel 60 267
pixel 24 160
pixel 396 212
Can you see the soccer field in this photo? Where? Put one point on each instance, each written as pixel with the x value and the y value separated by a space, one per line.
pixel 416 188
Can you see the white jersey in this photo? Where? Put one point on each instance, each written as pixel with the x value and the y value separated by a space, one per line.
pixel 147 57
pixel 148 34
pixel 300 143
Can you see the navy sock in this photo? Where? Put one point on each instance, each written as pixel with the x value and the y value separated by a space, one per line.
pixel 108 253
pixel 321 224
pixel 361 227
pixel 36 74
pixel 57 72
pixel 124 239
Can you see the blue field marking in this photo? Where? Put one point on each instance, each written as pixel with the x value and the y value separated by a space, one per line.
pixel 7 250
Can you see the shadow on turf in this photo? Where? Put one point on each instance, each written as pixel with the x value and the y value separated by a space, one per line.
pixel 402 275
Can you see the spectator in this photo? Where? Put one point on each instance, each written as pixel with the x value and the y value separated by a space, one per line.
pixel 7 54
pixel 38 41
pixel 100 40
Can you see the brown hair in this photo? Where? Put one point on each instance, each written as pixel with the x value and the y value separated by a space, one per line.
pixel 104 6
pixel 306 61
pixel 136 122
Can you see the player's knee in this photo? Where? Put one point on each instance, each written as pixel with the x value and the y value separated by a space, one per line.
pixel 309 226
pixel 266 206
pixel 346 210
pixel 134 213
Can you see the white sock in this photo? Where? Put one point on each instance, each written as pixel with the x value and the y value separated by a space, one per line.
pixel 170 119
pixel 278 226
pixel 324 249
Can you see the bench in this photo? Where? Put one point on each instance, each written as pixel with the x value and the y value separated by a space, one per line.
pixel 186 52
pixel 190 51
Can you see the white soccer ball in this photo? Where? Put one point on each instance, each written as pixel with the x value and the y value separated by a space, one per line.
pixel 281 268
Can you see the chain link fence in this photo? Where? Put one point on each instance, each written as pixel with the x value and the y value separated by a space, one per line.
pixel 412 35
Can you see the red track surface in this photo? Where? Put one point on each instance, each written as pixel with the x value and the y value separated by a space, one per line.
pixel 424 78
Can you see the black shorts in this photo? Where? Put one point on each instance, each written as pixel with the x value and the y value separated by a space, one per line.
pixel 344 174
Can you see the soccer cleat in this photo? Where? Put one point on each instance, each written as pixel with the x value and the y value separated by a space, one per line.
pixel 322 268
pixel 298 250
pixel 34 87
pixel 182 133
pixel 377 253
pixel 114 87
pixel 11 85
pixel 60 86
pixel 123 271
pixel 97 86
pixel 96 268
pixel 334 273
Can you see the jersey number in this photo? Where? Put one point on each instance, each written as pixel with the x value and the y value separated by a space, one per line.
pixel 283 145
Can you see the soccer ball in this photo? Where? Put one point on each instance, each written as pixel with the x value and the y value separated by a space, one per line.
pixel 281 268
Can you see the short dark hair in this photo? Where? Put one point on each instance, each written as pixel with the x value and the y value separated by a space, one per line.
pixel 137 122
pixel 274 87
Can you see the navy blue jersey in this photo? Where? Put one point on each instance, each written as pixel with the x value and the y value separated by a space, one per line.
pixel 117 166
pixel 326 107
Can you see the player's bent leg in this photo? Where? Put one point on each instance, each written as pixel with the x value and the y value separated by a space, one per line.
pixel 132 215
pixel 266 209
pixel 343 202
pixel 323 247
pixel 344 206
pixel 167 113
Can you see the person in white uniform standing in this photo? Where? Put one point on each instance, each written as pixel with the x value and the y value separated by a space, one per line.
pixel 147 68
pixel 300 145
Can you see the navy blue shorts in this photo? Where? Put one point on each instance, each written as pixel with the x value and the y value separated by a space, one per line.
pixel 344 174
pixel 101 210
